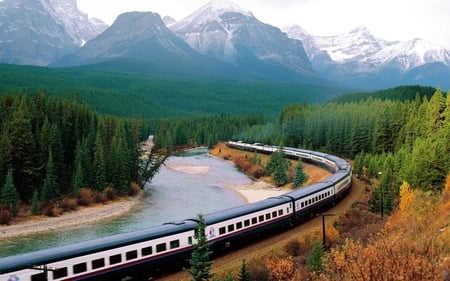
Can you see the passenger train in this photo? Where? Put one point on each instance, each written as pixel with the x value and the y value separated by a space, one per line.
pixel 143 250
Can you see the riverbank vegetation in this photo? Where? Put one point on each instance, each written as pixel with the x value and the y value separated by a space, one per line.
pixel 57 154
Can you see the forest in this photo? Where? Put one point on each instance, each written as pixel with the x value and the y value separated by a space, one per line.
pixel 395 140
pixel 57 152
pixel 154 97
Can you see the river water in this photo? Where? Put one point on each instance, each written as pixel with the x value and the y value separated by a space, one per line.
pixel 172 195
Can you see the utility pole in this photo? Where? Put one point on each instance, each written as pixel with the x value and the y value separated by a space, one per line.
pixel 323 226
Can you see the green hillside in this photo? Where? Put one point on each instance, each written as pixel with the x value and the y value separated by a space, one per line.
pixel 139 95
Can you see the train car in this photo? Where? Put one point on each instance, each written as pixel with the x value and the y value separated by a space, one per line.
pixel 311 199
pixel 224 227
pixel 104 258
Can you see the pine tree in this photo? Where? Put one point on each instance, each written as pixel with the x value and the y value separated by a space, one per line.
pixel 50 190
pixel 99 165
pixel 9 195
pixel 277 166
pixel 315 261
pixel 299 177
pixel 200 260
pixel 244 274
pixel 35 210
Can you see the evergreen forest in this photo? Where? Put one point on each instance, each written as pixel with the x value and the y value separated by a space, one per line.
pixel 394 140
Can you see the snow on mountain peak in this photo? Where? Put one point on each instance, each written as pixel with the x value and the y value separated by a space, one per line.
pixel 220 6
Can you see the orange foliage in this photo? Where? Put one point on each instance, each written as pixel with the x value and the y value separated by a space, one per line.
pixel 280 269
pixel 415 244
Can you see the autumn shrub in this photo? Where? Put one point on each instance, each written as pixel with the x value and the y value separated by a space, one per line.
pixel 280 268
pixel 69 204
pixel 51 210
pixel 6 215
pixel 135 189
pixel 293 248
pixel 257 172
pixel 85 197
pixel 258 270
pixel 101 197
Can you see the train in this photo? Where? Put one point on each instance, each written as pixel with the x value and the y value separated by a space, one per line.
pixel 121 255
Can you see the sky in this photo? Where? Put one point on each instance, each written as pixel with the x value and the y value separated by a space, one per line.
pixel 386 19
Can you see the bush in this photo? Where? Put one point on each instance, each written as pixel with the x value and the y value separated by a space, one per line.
pixel 51 210
pixel 69 204
pixel 135 189
pixel 6 216
pixel 85 197
pixel 101 197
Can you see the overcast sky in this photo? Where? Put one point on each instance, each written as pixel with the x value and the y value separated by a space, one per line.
pixel 386 19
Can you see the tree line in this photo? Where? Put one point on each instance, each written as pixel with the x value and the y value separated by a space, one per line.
pixel 394 140
pixel 53 147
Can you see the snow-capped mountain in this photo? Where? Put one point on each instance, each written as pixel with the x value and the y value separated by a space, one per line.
pixel 232 34
pixel 39 31
pixel 140 42
pixel 360 59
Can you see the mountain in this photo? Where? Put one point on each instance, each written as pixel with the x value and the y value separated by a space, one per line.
pixel 233 35
pixel 360 59
pixel 140 42
pixel 38 32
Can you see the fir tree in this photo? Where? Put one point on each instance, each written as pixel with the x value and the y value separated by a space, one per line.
pixel 315 259
pixel 35 210
pixel 50 190
pixel 9 195
pixel 200 260
pixel 299 177
pixel 244 274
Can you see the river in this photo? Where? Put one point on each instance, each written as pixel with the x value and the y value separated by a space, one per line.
pixel 191 182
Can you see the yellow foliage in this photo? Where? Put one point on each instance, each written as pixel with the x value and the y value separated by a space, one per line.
pixel 280 269
pixel 447 188
pixel 407 197
pixel 414 246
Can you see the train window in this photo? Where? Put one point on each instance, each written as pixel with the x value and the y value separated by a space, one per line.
pixel 268 216
pixel 231 227
pixel 98 263
pixel 190 240
pixel 161 247
pixel 238 225
pixel 174 244
pixel 222 230
pixel 38 277
pixel 261 218
pixel 115 259
pixel 147 251
pixel 274 214
pixel 60 273
pixel 280 212
pixel 131 255
pixel 79 268
pixel 303 204
pixel 254 220
pixel 247 223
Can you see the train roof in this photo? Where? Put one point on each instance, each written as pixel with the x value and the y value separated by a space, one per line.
pixel 308 190
pixel 27 260
pixel 244 209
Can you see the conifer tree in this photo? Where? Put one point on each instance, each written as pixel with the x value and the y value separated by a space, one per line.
pixel 99 165
pixel 277 166
pixel 9 195
pixel 315 262
pixel 50 190
pixel 35 210
pixel 244 274
pixel 200 260
pixel 300 176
